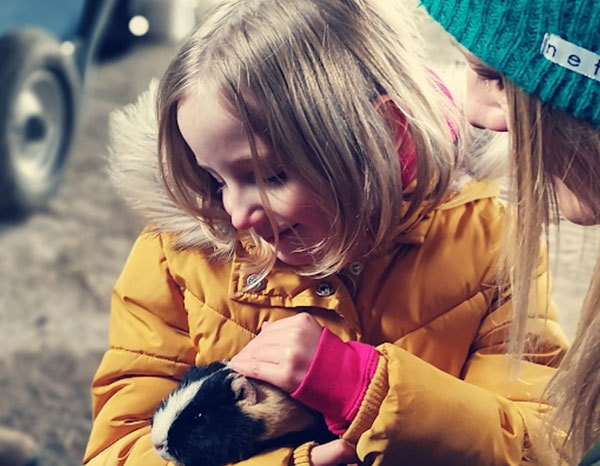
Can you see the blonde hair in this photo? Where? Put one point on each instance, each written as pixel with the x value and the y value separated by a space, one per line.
pixel 303 74
pixel 547 143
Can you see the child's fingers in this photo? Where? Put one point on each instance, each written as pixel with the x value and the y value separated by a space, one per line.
pixel 299 330
pixel 267 353
pixel 262 341
pixel 267 372
pixel 276 364
pixel 291 347
pixel 281 353
pixel 333 453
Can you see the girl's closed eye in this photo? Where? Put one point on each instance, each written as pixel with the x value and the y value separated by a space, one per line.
pixel 486 74
pixel 220 184
pixel 489 78
pixel 275 180
pixel 278 180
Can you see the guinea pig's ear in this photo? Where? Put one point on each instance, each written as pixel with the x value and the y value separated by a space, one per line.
pixel 245 392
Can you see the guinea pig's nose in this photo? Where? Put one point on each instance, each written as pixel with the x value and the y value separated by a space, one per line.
pixel 158 446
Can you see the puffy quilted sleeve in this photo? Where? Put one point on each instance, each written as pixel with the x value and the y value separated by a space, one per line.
pixel 149 353
pixel 415 413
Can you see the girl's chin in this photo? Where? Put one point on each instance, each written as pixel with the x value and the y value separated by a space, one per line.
pixel 571 207
pixel 580 217
pixel 295 258
pixel 288 253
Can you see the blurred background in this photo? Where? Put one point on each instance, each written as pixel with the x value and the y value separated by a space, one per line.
pixel 65 233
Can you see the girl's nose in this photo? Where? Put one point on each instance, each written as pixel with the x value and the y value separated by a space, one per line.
pixel 245 209
pixel 244 217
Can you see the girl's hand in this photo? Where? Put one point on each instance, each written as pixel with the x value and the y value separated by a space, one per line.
pixel 333 453
pixel 282 352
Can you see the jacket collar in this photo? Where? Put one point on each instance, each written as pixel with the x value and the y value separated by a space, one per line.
pixel 467 190
pixel 284 288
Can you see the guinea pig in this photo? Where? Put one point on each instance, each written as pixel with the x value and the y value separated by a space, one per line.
pixel 218 416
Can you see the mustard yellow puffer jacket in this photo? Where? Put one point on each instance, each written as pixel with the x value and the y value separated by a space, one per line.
pixel 441 394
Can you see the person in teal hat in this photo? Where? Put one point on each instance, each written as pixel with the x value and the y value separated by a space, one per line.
pixel 534 71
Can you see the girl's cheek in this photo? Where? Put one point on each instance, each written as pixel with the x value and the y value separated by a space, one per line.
pixel 284 199
pixel 571 207
pixel 282 205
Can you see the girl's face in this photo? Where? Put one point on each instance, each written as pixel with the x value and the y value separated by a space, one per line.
pixel 485 107
pixel 221 147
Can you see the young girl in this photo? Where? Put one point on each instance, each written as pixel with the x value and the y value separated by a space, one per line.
pixel 318 197
pixel 548 97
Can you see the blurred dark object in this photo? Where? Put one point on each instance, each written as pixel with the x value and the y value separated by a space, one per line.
pixel 118 37
pixel 17 449
pixel 46 50
pixel 47 47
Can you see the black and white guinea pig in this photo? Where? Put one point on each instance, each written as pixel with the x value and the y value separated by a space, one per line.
pixel 217 416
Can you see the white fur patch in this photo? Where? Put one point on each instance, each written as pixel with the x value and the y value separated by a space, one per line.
pixel 164 417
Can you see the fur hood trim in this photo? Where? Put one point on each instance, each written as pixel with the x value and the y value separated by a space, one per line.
pixel 133 168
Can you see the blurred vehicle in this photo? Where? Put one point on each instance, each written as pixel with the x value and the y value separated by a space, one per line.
pixel 46 47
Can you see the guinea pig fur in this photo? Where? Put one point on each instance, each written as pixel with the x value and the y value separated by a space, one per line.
pixel 217 416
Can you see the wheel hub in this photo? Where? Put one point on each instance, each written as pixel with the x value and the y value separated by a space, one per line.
pixel 37 126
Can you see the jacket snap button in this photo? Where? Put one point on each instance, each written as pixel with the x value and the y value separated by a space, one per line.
pixel 324 289
pixel 253 283
pixel 356 268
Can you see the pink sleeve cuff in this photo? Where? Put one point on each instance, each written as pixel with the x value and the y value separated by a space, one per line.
pixel 337 380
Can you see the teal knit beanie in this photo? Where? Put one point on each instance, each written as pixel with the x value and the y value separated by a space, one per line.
pixel 550 48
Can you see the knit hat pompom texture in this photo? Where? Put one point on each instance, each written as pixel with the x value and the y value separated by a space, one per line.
pixel 550 48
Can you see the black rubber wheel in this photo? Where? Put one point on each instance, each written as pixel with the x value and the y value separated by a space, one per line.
pixel 39 90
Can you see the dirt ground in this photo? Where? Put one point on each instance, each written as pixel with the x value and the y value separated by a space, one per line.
pixel 58 268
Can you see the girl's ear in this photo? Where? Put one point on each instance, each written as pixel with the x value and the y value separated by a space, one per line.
pixel 485 103
pixel 394 117
pixel 403 141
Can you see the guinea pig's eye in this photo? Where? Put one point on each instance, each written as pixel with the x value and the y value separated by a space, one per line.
pixel 198 416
